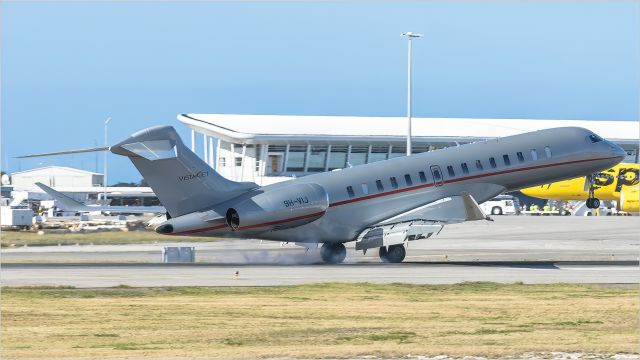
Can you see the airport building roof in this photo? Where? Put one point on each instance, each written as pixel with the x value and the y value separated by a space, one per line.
pixel 55 169
pixel 258 129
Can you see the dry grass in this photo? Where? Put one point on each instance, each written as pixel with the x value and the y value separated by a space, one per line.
pixel 21 238
pixel 325 320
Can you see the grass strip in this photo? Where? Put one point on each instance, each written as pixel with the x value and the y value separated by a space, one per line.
pixel 333 320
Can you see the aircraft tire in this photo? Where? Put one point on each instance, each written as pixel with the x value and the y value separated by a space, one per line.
pixel 383 254
pixel 395 253
pixel 595 202
pixel 333 253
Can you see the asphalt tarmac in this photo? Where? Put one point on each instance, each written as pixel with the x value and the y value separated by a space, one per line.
pixel 510 249
pixel 107 275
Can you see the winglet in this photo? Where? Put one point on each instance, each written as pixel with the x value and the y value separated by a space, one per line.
pixel 65 202
pixel 473 210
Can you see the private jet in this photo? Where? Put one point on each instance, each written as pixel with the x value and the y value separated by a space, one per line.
pixel 383 205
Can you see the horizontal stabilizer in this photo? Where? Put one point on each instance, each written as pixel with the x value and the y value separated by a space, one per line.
pixel 102 148
pixel 153 149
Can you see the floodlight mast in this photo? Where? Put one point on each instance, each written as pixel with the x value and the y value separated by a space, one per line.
pixel 410 36
pixel 106 143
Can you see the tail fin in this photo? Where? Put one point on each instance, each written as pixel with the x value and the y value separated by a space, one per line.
pixel 65 202
pixel 181 180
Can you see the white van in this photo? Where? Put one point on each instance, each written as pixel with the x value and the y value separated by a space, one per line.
pixel 501 205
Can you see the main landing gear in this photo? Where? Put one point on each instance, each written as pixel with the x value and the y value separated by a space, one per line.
pixel 393 253
pixel 592 202
pixel 333 253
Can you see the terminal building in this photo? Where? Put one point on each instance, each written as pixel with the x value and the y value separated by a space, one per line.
pixel 270 148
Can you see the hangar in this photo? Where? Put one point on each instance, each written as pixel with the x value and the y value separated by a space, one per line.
pixel 56 176
pixel 271 148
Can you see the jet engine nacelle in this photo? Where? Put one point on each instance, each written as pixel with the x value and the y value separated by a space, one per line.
pixel 629 199
pixel 283 208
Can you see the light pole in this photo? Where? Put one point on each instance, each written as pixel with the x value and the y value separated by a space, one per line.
pixel 410 37
pixel 106 144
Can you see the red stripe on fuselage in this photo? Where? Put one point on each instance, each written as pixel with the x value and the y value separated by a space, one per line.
pixel 282 221
pixel 461 179
pixel 200 230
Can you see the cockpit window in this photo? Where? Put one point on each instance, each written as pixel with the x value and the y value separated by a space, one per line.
pixel 594 138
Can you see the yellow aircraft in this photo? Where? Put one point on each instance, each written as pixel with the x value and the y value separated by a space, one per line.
pixel 620 183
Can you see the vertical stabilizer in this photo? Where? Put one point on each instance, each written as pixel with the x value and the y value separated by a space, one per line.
pixel 183 182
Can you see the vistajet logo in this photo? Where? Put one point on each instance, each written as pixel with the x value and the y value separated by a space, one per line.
pixel 199 174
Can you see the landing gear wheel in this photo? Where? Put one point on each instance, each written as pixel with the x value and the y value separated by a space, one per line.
pixel 333 253
pixel 593 203
pixel 383 254
pixel 393 254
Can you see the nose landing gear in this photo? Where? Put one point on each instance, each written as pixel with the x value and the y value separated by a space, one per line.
pixel 592 201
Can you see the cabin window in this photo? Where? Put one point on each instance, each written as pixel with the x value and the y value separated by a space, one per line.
pixel 547 152
pixel 479 165
pixel 465 168
pixel 350 191
pixel 379 185
pixel 365 189
pixel 507 162
pixel 492 162
pixel 534 154
pixel 423 177
pixel 394 182
pixel 437 177
pixel 222 161
pixel 407 179
pixel 520 157
pixel 238 161
pixel 450 170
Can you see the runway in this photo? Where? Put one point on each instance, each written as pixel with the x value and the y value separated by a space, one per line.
pixel 98 276
pixel 511 249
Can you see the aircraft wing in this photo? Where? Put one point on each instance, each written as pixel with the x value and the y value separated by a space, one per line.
pixel 65 202
pixel 448 210
pixel 69 204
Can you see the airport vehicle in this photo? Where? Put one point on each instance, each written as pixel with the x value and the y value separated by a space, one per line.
pixel 619 183
pixel 68 204
pixel 382 205
pixel 501 205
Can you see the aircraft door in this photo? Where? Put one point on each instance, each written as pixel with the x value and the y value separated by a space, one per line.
pixel 437 175
pixel 275 164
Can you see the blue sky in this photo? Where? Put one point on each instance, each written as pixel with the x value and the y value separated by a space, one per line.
pixel 66 66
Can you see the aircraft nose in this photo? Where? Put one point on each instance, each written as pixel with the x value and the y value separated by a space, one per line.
pixel 617 151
